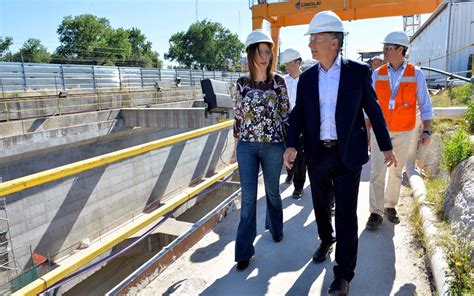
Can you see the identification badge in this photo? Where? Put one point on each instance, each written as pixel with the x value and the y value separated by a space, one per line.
pixel 391 104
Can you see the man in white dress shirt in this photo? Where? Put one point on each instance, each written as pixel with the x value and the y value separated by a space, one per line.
pixel 292 61
pixel 331 98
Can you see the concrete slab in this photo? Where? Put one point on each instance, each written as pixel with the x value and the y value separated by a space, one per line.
pixel 387 262
pixel 170 226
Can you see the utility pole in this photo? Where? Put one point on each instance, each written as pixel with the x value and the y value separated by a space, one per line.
pixel 197 20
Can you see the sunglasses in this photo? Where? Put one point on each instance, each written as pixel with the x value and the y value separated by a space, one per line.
pixel 390 47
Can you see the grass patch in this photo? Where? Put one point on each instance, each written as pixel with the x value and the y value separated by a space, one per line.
pixel 436 188
pixel 442 126
pixel 453 96
pixel 417 225
pixel 441 99
pixel 461 272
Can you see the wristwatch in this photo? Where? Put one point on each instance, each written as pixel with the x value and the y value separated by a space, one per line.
pixel 429 133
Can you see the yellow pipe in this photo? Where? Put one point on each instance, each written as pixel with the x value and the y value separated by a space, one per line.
pixel 88 255
pixel 33 180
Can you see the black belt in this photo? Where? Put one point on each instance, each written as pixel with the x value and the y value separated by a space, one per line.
pixel 328 143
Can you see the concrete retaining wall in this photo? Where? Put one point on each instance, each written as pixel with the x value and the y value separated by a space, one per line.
pixel 55 217
pixel 37 105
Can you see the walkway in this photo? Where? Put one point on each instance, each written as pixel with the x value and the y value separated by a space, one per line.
pixel 387 261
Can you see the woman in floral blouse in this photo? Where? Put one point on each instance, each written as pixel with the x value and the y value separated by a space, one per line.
pixel 261 120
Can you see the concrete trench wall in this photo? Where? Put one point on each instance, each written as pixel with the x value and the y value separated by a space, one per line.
pixel 55 217
pixel 49 104
pixel 102 279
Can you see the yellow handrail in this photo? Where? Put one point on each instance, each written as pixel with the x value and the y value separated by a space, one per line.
pixel 89 254
pixel 33 180
pixel 80 259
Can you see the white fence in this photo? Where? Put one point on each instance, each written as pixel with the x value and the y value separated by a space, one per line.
pixel 19 77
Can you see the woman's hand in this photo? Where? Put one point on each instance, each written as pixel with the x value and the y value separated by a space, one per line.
pixel 233 159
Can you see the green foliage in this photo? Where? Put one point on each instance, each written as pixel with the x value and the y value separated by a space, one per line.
pixel 282 68
pixel 462 94
pixel 32 52
pixel 87 39
pixel 461 272
pixel 82 38
pixel 470 116
pixel 457 148
pixel 5 54
pixel 206 46
pixel 142 54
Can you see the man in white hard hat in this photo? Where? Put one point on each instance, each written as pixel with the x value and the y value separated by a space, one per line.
pixel 335 143
pixel 292 61
pixel 400 88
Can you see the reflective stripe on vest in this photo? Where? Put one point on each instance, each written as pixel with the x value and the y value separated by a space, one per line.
pixel 403 116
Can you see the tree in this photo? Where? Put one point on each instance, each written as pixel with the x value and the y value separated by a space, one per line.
pixel 142 54
pixel 87 39
pixel 206 45
pixel 5 54
pixel 84 39
pixel 116 49
pixel 32 51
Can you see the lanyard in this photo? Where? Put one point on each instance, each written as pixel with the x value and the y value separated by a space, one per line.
pixel 394 87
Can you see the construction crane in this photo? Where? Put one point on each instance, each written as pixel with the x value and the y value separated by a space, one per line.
pixel 300 12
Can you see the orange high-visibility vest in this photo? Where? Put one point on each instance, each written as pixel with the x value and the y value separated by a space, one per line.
pixel 403 116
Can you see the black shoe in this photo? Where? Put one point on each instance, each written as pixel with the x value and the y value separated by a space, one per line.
pixel 277 239
pixel 289 179
pixel 374 222
pixel 392 216
pixel 241 265
pixel 322 252
pixel 339 287
pixel 297 194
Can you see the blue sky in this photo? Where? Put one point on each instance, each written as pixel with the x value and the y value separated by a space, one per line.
pixel 159 19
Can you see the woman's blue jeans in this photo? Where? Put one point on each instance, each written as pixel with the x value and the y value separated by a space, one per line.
pixel 250 155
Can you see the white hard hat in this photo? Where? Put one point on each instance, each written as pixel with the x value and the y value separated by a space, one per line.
pixel 258 36
pixel 289 55
pixel 325 21
pixel 398 38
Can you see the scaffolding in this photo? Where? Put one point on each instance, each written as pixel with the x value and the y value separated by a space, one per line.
pixel 411 24
pixel 8 263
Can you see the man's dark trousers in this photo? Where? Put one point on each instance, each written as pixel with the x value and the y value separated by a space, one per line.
pixel 327 176
pixel 299 167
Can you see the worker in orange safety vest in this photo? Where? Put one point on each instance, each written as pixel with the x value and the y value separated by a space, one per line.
pixel 400 88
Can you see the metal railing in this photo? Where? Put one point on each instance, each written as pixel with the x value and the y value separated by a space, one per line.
pixel 88 255
pixel 21 77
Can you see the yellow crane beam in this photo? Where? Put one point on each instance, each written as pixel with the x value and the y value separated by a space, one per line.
pixel 300 12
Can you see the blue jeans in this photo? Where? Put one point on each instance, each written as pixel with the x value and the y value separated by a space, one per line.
pixel 250 155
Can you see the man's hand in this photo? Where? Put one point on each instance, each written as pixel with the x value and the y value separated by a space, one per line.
pixel 425 139
pixel 390 158
pixel 289 157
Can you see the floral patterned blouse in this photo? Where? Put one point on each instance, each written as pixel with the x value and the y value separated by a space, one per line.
pixel 261 113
